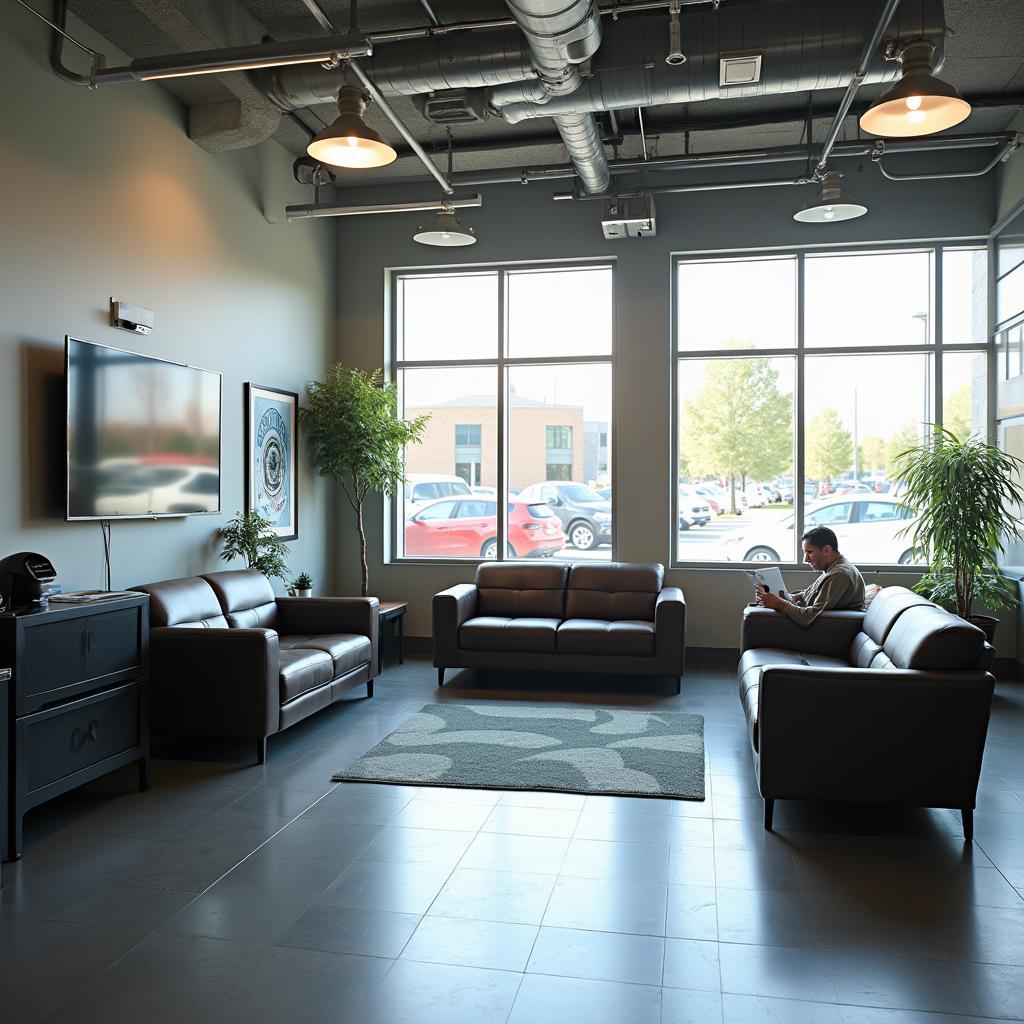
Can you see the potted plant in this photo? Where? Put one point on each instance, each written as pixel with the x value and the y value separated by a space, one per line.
pixel 302 585
pixel 352 428
pixel 248 535
pixel 965 498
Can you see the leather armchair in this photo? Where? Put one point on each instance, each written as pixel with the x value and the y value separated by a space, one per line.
pixel 231 659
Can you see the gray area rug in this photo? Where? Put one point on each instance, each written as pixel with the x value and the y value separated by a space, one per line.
pixel 576 750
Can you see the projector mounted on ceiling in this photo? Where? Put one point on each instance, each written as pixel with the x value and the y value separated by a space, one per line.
pixel 629 216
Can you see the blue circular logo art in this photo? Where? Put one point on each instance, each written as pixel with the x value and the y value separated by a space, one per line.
pixel 272 458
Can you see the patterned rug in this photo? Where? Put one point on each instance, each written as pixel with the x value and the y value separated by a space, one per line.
pixel 576 750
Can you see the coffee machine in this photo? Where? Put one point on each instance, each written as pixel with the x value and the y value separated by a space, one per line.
pixel 26 578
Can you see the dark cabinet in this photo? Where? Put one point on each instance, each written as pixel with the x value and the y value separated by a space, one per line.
pixel 78 699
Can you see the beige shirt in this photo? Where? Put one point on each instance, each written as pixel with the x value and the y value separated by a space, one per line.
pixel 839 587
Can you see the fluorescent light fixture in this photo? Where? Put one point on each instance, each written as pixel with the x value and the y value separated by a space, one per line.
pixel 920 103
pixel 444 229
pixel 349 141
pixel 832 203
pixel 152 76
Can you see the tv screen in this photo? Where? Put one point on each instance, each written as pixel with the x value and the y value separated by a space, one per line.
pixel 143 435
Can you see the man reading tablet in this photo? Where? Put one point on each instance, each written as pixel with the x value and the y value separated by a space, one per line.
pixel 839 587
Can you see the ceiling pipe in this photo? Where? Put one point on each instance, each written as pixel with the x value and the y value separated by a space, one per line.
pixel 747 158
pixel 304 211
pixel 1004 154
pixel 858 79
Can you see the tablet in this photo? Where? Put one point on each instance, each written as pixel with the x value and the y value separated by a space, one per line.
pixel 770 577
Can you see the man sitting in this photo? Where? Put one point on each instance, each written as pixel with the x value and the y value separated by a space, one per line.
pixel 839 587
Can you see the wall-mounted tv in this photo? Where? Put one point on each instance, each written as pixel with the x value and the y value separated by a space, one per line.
pixel 143 435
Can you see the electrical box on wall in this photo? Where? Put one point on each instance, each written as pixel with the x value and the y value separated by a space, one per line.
pixel 629 217
pixel 136 319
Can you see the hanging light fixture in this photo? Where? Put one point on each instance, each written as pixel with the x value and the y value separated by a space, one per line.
pixel 349 141
pixel 675 46
pixel 444 228
pixel 920 103
pixel 832 203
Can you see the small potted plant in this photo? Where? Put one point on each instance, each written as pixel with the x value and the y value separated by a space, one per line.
pixel 302 585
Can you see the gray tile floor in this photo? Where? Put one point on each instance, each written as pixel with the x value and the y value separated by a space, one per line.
pixel 234 892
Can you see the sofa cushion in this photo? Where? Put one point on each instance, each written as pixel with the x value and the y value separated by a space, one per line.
pixel 511 590
pixel 758 658
pixel 302 670
pixel 347 650
pixel 886 608
pixel 627 638
pixel 504 633
pixel 246 597
pixel 930 638
pixel 614 592
pixel 186 602
pixel 863 650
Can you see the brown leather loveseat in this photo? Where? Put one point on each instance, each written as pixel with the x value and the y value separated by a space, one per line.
pixel 887 706
pixel 228 658
pixel 611 618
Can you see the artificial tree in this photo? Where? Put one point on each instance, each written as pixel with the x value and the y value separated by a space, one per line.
pixel 352 427
pixel 248 535
pixel 966 500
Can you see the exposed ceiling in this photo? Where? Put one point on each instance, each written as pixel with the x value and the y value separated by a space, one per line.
pixel 984 60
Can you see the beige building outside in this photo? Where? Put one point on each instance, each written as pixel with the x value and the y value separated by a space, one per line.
pixel 546 442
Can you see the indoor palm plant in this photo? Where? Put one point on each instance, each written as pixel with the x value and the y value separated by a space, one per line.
pixel 966 501
pixel 352 427
pixel 248 535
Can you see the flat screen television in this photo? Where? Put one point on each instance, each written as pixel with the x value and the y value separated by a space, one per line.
pixel 143 435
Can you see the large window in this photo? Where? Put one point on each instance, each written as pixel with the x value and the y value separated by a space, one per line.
pixel 801 376
pixel 513 367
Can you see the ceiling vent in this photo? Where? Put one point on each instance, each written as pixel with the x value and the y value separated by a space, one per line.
pixel 452 106
pixel 739 69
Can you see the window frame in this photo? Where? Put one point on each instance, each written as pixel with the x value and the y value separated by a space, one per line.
pixel 800 352
pixel 500 363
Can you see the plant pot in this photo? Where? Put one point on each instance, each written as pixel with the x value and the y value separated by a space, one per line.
pixel 987 623
pixel 304 593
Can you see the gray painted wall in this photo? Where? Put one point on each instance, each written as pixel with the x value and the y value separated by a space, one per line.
pixel 522 223
pixel 102 193
pixel 1010 177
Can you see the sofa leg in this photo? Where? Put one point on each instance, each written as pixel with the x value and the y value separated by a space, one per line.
pixel 769 809
pixel 261 750
pixel 369 687
pixel 440 677
pixel 967 817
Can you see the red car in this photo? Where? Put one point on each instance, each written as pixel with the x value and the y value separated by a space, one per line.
pixel 467 528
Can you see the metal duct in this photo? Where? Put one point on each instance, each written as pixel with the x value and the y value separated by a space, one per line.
pixel 562 36
pixel 805 45
pixel 495 57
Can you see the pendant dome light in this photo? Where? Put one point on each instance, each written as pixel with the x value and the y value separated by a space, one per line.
pixel 920 103
pixel 444 228
pixel 832 203
pixel 349 141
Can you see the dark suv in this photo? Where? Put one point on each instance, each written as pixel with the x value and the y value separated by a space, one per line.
pixel 586 516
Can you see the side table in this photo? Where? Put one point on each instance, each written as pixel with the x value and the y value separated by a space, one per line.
pixel 394 613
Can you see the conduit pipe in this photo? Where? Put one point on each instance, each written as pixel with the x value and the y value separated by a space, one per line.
pixel 1008 149
pixel 303 211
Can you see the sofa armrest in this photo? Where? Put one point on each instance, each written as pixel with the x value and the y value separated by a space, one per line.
pixel 357 615
pixel 879 735
pixel 831 633
pixel 450 609
pixel 670 631
pixel 227 680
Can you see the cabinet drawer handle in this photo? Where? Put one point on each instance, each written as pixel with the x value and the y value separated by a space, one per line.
pixel 90 735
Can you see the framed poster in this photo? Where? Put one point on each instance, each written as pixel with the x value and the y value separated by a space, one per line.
pixel 271 457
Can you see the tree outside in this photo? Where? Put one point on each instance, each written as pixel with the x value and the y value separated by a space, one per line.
pixel 829 446
pixel 739 424
pixel 873 454
pixel 907 437
pixel 956 412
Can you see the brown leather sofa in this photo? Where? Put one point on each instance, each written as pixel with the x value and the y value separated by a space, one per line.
pixel 613 617
pixel 228 658
pixel 887 706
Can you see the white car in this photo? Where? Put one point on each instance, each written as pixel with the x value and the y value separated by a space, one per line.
pixel 693 508
pixel 421 488
pixel 869 528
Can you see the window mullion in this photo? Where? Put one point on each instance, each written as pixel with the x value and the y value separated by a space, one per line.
pixel 502 424
pixel 798 410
